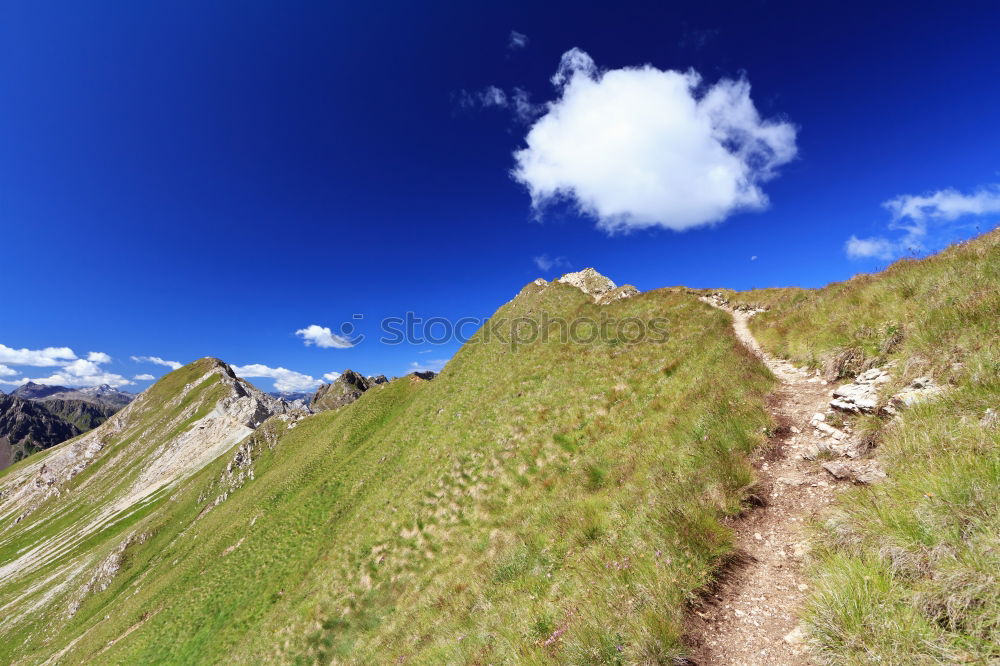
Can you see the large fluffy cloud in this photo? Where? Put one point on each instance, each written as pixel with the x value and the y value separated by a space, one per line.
pixel 284 379
pixel 321 336
pixel 914 214
pixel 643 147
pixel 156 360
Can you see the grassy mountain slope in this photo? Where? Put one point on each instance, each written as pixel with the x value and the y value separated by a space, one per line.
pixel 911 568
pixel 66 513
pixel 534 503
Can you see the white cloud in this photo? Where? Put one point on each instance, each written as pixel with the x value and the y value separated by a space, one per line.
pixel 321 336
pixel 753 258
pixel 643 147
pixel 144 377
pixel 547 263
pixel 948 204
pixel 517 101
pixel 435 365
pixel 41 358
pixel 331 376
pixel 156 360
pixel 7 372
pixel 79 376
pixel 73 371
pixel 915 214
pixel 284 379
pixel 861 248
pixel 517 40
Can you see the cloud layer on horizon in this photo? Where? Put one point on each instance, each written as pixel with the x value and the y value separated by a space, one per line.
pixel 641 147
pixel 72 370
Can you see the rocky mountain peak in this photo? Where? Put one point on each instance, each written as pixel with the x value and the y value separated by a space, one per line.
pixel 601 288
pixel 342 391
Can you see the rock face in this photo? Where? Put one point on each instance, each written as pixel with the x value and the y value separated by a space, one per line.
pixel 861 396
pixel 27 427
pixel 341 392
pixel 599 287
pixel 84 414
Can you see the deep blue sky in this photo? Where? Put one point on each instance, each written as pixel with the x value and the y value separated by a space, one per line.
pixel 183 179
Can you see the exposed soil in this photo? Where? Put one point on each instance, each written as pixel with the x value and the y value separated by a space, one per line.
pixel 752 615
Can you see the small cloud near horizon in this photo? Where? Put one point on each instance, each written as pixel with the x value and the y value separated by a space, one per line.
pixel 144 377
pixel 917 215
pixel 156 360
pixel 323 337
pixel 435 365
pixel 546 263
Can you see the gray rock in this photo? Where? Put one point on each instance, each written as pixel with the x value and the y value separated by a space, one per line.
pixel 863 472
pixel 919 390
pixel 595 285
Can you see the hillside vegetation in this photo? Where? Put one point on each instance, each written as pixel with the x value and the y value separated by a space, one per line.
pixel 910 569
pixel 537 502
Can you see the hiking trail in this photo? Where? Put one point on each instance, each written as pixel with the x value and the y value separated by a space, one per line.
pixel 752 616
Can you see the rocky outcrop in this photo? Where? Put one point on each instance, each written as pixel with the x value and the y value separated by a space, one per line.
pixel 595 285
pixel 860 396
pixel 719 300
pixel 865 472
pixel 919 390
pixel 341 392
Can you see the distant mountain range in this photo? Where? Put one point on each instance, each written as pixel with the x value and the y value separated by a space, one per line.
pixel 36 416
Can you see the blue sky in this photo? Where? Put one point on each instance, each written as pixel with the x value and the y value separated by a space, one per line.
pixel 187 179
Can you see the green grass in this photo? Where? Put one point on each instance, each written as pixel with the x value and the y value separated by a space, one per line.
pixel 544 503
pixel 908 571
